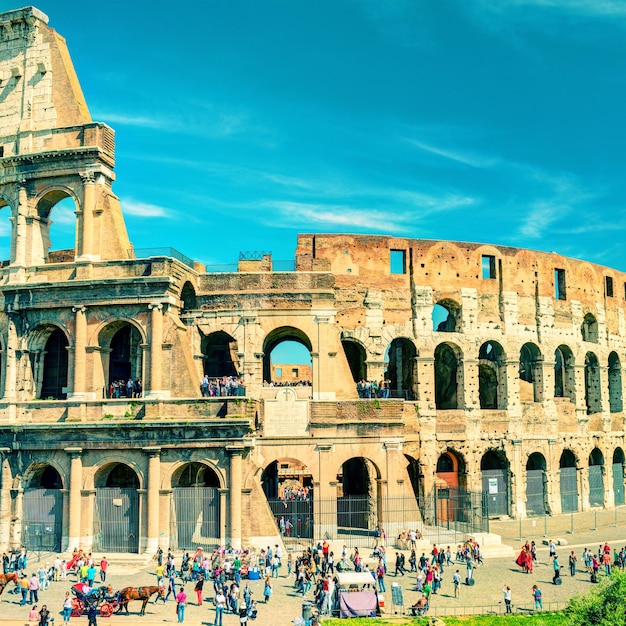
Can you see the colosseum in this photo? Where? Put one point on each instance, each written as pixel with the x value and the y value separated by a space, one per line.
pixel 497 386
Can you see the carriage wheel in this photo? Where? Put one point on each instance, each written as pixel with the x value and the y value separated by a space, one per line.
pixel 78 607
pixel 106 610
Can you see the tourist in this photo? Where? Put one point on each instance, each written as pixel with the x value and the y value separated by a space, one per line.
pixel 220 606
pixel 507 598
pixel 537 597
pixel 181 602
pixel 67 608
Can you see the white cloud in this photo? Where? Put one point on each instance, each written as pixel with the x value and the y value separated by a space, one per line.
pixel 466 158
pixel 583 8
pixel 143 209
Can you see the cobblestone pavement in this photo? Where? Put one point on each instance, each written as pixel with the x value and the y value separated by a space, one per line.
pixel 286 604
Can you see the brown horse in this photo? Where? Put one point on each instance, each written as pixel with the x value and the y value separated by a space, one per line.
pixel 5 579
pixel 137 593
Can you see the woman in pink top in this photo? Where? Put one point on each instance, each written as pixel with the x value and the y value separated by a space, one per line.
pixel 181 601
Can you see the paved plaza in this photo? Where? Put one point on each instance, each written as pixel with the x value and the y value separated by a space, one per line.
pixel 286 604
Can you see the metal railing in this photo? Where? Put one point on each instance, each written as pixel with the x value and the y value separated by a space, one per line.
pixel 144 253
pixel 491 609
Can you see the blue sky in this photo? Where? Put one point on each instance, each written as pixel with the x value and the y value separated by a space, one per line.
pixel 242 123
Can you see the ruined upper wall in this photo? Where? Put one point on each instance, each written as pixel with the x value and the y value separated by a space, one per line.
pixel 39 89
pixel 363 262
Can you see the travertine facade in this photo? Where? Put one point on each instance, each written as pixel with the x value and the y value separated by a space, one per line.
pixel 504 365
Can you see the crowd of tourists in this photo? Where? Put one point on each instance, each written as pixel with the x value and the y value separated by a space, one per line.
pixel 287 383
pixel 373 389
pixel 126 388
pixel 224 386
pixel 300 494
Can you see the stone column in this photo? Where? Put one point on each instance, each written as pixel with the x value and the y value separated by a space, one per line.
pixel 76 475
pixel 156 352
pixel 154 474
pixel 236 454
pixel 5 500
pixel 512 387
pixel 80 356
pixel 86 229
pixel 223 527
pixel 583 482
pixel 10 373
pixel 18 239
pixel 325 502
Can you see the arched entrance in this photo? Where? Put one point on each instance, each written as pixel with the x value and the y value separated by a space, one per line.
pixel 400 372
pixel 196 517
pixel 616 404
pixel 618 476
pixel 357 496
pixel 491 376
pixel 596 478
pixel 55 362
pixel 288 487
pixel 530 373
pixel 60 204
pixel 356 356
pixel 494 467
pixel 124 354
pixel 220 355
pixel 42 516
pixel 287 358
pixel 568 482
pixel 536 484
pixel 450 488
pixel 116 516
pixel 447 363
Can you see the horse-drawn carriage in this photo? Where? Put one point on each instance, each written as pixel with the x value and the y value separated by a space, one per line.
pixel 102 598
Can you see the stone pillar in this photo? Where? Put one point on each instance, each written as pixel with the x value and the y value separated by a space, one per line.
pixel 5 501
pixel 322 373
pixel 86 225
pixel 468 397
pixel 223 527
pixel 236 453
pixel 10 373
pixel 583 482
pixel 17 495
pixel 76 475
pixel 156 352
pixel 513 404
pixel 80 356
pixel 325 503
pixel 154 474
pixel 18 239
pixel 518 480
pixel 554 479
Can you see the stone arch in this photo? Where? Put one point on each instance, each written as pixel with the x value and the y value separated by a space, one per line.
pixel 196 515
pixel 536 484
pixel 219 350
pixel 564 373
pixel 400 370
pixel 593 390
pixel 122 355
pixel 494 467
pixel 596 478
pixel 288 486
pixel 116 513
pixel 42 507
pixel 492 388
pixel 589 328
pixel 448 372
pixel 356 356
pixel 616 404
pixel 447 316
pixel 568 480
pixel 618 476
pixel 450 487
pixel 41 237
pixel 7 227
pixel 188 297
pixel 277 336
pixel 48 346
pixel 530 373
pixel 358 496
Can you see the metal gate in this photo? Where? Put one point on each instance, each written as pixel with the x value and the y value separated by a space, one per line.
pixel 535 492
pixel 196 517
pixel 116 520
pixel 355 511
pixel 298 512
pixel 596 486
pixel 569 489
pixel 496 488
pixel 42 520
pixel 618 483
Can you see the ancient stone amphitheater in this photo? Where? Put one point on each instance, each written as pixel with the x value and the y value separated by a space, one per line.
pixel 498 369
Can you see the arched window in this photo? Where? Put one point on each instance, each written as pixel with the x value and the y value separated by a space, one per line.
pixel 491 376
pixel 446 377
pixel 589 329
pixel 593 394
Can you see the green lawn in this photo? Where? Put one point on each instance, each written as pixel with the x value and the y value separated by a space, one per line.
pixel 540 619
